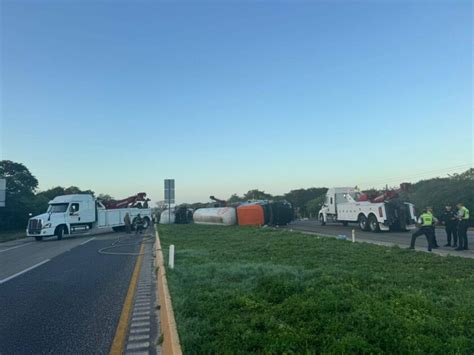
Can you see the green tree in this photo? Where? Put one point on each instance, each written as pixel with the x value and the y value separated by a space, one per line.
pixel 300 197
pixel 256 194
pixel 105 197
pixel 313 206
pixel 21 185
pixel 439 192
pixel 234 199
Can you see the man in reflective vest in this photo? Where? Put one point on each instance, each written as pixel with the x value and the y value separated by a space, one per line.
pixel 433 228
pixel 426 222
pixel 463 216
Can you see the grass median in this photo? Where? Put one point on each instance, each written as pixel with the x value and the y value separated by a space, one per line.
pixel 241 290
pixel 5 236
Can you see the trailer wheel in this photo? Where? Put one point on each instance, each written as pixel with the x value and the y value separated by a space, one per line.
pixel 38 238
pixel 363 223
pixel 374 224
pixel 60 231
pixel 321 220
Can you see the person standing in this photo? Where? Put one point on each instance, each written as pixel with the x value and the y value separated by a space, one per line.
pixel 138 224
pixel 426 228
pixel 450 221
pixel 128 223
pixel 433 227
pixel 463 217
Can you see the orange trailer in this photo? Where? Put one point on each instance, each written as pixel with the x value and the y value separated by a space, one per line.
pixel 253 215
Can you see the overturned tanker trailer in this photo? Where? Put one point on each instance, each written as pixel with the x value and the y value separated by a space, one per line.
pixel 224 216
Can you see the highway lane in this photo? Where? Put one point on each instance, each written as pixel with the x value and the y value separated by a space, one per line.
pixel 401 239
pixel 70 304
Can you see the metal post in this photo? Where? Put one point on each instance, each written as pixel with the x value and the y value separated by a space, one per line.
pixel 353 236
pixel 171 257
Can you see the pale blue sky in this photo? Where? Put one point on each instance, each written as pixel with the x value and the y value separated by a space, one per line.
pixel 117 96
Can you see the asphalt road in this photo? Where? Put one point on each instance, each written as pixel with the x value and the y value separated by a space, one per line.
pixel 70 303
pixel 401 239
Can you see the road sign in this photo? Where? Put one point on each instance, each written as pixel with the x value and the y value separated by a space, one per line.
pixel 169 191
pixel 3 187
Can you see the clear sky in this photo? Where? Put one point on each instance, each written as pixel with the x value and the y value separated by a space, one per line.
pixel 116 96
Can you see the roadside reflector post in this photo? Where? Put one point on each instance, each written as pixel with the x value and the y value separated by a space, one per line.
pixel 353 236
pixel 171 257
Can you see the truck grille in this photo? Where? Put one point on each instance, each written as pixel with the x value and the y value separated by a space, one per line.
pixel 34 226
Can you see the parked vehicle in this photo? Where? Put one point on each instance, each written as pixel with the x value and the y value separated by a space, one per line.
pixel 70 214
pixel 382 213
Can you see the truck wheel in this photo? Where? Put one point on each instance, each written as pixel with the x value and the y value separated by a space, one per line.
pixel 146 223
pixel 321 220
pixel 38 238
pixel 60 232
pixel 374 224
pixel 363 223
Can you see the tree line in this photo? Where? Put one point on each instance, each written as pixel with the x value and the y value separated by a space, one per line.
pixel 23 198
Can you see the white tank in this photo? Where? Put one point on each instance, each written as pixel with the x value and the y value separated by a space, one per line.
pixel 225 216
pixel 167 218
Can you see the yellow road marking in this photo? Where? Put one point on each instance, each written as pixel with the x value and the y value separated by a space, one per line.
pixel 118 344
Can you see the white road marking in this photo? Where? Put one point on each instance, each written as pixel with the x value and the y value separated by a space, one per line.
pixel 139 337
pixel 87 241
pixel 22 272
pixel 18 246
pixel 136 346
pixel 139 331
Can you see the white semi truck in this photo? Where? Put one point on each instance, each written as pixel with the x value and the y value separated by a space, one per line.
pixel 349 205
pixel 70 214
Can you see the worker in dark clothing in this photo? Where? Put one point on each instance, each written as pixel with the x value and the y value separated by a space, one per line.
pixel 463 217
pixel 450 221
pixel 128 223
pixel 426 228
pixel 138 221
pixel 433 228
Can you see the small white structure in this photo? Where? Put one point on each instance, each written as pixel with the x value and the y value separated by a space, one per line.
pixel 224 216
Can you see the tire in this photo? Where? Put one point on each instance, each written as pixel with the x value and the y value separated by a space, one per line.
pixel 363 223
pixel 38 238
pixel 321 220
pixel 60 231
pixel 146 223
pixel 374 224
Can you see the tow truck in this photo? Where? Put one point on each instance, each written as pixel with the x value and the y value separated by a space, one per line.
pixel 384 212
pixel 79 213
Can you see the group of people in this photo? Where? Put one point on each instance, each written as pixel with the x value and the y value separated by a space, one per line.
pixel 456 222
pixel 138 224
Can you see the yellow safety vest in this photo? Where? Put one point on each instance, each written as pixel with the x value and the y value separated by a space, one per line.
pixel 427 219
pixel 465 213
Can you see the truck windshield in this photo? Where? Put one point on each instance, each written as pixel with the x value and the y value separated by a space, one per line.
pixel 58 208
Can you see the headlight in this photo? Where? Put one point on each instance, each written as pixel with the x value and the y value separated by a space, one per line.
pixel 47 225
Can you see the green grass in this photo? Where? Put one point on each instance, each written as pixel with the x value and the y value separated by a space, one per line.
pixel 241 290
pixel 5 236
